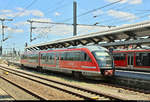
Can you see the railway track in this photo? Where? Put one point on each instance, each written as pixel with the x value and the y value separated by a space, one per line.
pixel 23 88
pixel 134 84
pixel 78 91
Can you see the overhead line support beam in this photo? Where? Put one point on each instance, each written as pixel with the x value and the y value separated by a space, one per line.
pixel 74 18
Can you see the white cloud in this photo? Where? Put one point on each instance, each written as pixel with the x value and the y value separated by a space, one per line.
pixel 24 13
pixel 57 14
pixel 11 30
pixel 98 12
pixel 21 13
pixel 18 24
pixel 5 11
pixel 122 15
pixel 127 1
pixel 32 12
pixel 123 1
pixel 37 13
pixel 83 29
pixel 19 9
pixel 135 1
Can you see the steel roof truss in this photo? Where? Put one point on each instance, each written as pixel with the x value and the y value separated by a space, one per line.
pixel 130 35
pixel 62 44
pixel 138 45
pixel 71 43
pixel 81 42
pixel 110 38
pixel 94 41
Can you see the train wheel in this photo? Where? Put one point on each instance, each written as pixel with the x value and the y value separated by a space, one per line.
pixel 39 69
pixel 22 66
pixel 77 75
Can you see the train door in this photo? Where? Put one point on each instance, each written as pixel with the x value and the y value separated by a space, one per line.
pixel 130 60
pixel 57 59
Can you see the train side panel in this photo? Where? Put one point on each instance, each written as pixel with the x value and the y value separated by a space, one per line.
pixel 93 61
pixel 134 59
pixel 69 61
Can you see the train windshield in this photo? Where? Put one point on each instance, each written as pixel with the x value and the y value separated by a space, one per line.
pixel 104 59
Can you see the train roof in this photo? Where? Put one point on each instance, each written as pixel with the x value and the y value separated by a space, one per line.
pixel 131 50
pixel 90 47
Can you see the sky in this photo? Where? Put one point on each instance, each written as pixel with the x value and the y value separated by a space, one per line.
pixel 89 12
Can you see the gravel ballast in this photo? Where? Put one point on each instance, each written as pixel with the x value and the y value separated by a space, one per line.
pixel 130 95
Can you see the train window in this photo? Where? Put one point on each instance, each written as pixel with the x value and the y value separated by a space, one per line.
pixel 119 56
pixel 57 55
pixel 122 56
pixel 51 58
pixel 103 58
pixel 62 56
pixel 33 58
pixel 69 56
pixel 143 59
pixel 77 56
pixel 116 56
pixel 132 60
pixel 46 58
pixel 43 58
pixel 85 57
pixel 66 56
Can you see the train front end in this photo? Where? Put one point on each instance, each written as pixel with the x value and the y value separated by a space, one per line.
pixel 104 60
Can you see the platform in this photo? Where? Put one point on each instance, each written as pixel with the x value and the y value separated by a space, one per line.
pixel 133 74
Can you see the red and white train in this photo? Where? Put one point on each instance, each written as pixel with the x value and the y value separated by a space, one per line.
pixel 136 59
pixel 92 61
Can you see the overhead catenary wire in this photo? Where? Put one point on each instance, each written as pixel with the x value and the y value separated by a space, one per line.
pixel 109 20
pixel 57 8
pixel 34 1
pixel 126 7
pixel 127 18
pixel 63 23
pixel 87 12
pixel 140 17
pixel 99 8
pixel 90 11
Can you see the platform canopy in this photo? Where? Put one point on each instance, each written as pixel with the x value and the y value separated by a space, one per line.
pixel 126 32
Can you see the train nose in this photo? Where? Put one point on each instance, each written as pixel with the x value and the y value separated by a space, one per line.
pixel 108 72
